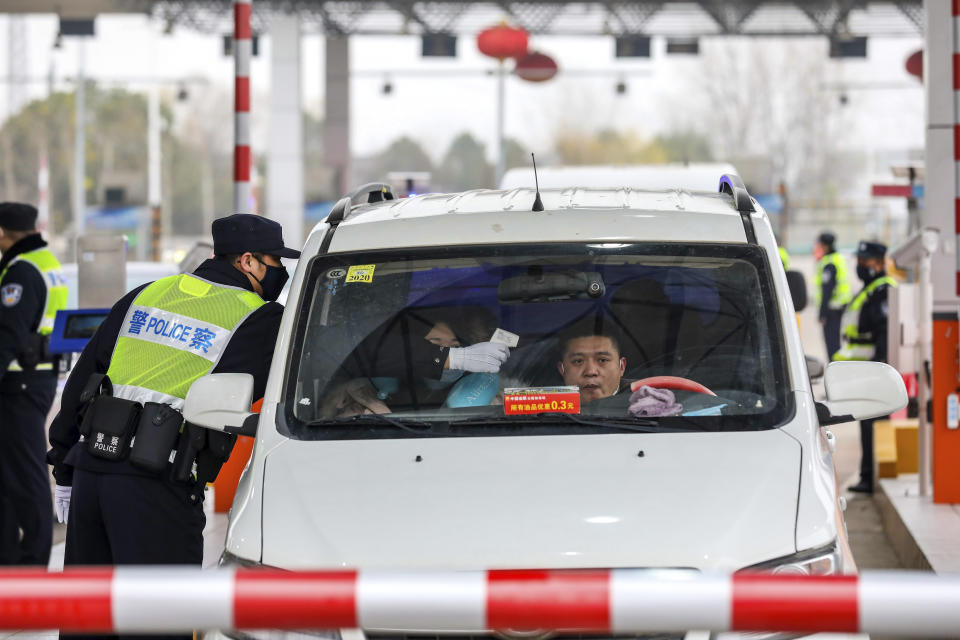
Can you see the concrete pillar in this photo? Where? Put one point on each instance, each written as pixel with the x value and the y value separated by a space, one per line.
pixel 285 148
pixel 336 138
pixel 940 180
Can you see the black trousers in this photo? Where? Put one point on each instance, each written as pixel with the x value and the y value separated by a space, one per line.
pixel 26 508
pixel 866 448
pixel 831 331
pixel 118 519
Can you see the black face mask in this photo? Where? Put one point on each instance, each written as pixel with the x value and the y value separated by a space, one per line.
pixel 273 281
pixel 865 273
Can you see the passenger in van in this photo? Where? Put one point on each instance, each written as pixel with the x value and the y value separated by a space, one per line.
pixel 405 370
pixel 590 358
pixel 430 343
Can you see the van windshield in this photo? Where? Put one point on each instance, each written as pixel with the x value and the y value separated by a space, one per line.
pixel 529 340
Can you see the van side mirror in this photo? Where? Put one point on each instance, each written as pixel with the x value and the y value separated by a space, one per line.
pixel 798 290
pixel 221 401
pixel 861 390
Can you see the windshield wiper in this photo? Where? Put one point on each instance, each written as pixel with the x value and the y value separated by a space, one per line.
pixel 639 425
pixel 416 427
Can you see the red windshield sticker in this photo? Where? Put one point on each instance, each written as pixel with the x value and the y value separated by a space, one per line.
pixel 541 400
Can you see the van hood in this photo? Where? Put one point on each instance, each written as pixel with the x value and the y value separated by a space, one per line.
pixel 703 500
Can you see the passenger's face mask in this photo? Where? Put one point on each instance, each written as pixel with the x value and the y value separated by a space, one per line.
pixel 447 378
pixel 866 273
pixel 273 281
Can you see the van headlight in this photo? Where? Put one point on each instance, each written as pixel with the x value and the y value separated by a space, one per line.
pixel 815 562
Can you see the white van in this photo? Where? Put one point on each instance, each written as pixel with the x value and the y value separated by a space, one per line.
pixel 363 460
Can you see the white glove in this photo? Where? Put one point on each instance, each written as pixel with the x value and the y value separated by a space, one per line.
pixel 61 502
pixel 483 357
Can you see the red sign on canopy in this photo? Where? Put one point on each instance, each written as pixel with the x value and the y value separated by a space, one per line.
pixel 892 190
pixel 914 64
pixel 536 67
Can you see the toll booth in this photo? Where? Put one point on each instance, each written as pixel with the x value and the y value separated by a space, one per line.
pixel 101 270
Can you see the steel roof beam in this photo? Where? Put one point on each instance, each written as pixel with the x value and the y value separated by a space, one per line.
pixel 631 16
pixel 913 12
pixel 408 11
pixel 830 18
pixel 731 17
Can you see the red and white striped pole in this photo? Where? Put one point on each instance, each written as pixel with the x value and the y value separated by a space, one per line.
pixel 242 50
pixel 956 128
pixel 178 599
pixel 43 192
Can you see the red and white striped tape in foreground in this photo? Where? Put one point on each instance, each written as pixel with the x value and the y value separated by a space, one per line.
pixel 152 599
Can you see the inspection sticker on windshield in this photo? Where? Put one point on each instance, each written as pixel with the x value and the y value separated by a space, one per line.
pixel 518 401
pixel 360 273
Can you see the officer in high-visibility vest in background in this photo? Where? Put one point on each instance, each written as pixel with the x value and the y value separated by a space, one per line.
pixel 784 258
pixel 130 475
pixel 32 290
pixel 831 289
pixel 865 337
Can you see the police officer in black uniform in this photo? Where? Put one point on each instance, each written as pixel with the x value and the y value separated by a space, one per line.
pixel 27 387
pixel 119 513
pixel 866 336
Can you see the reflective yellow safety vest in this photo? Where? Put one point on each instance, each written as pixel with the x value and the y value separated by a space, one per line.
pixel 856 345
pixel 175 332
pixel 784 258
pixel 55 295
pixel 841 291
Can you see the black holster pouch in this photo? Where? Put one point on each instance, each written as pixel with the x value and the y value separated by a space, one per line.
pixel 157 431
pixel 201 453
pixel 219 447
pixel 36 349
pixel 192 441
pixel 108 424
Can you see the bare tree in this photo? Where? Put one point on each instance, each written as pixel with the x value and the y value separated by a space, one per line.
pixel 202 140
pixel 767 98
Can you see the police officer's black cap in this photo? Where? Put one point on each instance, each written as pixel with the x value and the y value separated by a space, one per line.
pixel 244 232
pixel 18 216
pixel 827 239
pixel 867 249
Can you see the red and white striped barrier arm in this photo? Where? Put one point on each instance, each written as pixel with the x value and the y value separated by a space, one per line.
pixel 242 51
pixel 177 599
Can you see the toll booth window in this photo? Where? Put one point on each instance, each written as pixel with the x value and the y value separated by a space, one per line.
pixel 524 340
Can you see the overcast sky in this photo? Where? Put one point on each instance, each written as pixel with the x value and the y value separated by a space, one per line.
pixel 662 92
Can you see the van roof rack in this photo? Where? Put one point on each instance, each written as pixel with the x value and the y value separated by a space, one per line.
pixel 371 192
pixel 732 184
pixel 366 193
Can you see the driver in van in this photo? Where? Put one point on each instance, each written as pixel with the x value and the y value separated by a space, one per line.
pixel 590 359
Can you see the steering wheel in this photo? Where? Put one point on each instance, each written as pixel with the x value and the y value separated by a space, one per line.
pixel 671 382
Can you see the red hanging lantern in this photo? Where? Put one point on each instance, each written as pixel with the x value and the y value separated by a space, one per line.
pixel 502 41
pixel 536 67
